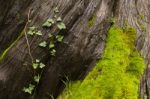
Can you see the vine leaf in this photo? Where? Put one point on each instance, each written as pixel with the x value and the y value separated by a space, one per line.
pixel 48 23
pixel 61 26
pixel 29 89
pixel 38 33
pixel 59 38
pixel 56 10
pixel 51 21
pixel 50 35
pixel 59 19
pixel 35 65
pixel 53 52
pixel 37 78
pixel 42 65
pixel 30 33
pixel 51 45
pixel 37 60
pixel 43 44
pixel 31 30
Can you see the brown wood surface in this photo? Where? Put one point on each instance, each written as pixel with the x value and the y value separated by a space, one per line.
pixel 82 47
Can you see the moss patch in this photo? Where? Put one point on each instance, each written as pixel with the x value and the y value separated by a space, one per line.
pixel 92 21
pixel 116 75
pixel 13 44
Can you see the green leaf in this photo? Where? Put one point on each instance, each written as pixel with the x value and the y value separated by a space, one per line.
pixel 59 19
pixel 43 44
pixel 59 38
pixel 56 10
pixel 61 26
pixel 33 28
pixel 50 35
pixel 38 33
pixel 53 52
pixel 42 65
pixel 37 78
pixel 51 45
pixel 35 65
pixel 26 90
pixel 30 32
pixel 47 24
pixel 51 21
pixel 29 89
pixel 37 60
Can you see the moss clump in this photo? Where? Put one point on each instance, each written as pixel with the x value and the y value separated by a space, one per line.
pixel 92 21
pixel 116 75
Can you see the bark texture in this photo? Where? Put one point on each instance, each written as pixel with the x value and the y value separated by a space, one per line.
pixel 83 44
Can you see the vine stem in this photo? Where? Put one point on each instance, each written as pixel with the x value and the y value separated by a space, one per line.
pixel 26 37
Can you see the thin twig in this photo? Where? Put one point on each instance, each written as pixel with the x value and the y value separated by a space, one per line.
pixel 26 37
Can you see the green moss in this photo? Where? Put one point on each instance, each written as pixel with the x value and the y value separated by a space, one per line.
pixel 92 21
pixel 142 26
pixel 13 44
pixel 116 75
pixel 141 15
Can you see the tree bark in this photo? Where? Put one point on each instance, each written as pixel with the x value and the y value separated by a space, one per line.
pixel 83 44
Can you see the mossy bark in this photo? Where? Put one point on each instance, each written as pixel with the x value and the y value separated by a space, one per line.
pixel 82 47
pixel 116 75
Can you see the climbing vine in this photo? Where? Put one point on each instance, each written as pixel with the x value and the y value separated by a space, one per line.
pixel 53 39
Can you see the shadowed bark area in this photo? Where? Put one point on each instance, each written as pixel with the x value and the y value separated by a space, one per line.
pixel 83 43
pixel 12 20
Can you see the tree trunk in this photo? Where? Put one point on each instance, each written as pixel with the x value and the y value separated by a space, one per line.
pixel 87 22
